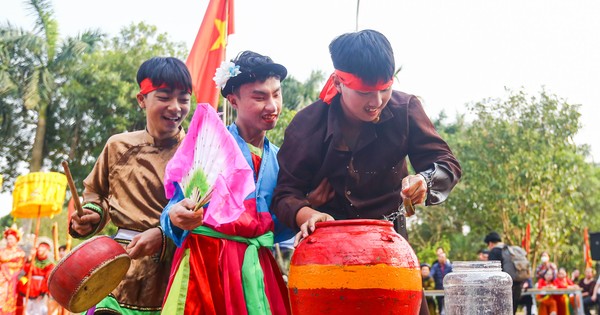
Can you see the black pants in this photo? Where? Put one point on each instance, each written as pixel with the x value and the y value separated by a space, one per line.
pixel 440 303
pixel 517 287
pixel 527 302
pixel 588 304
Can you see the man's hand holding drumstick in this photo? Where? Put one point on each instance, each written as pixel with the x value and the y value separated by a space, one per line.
pixel 85 224
pixel 82 220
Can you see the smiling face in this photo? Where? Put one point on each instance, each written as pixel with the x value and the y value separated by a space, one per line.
pixel 258 106
pixel 165 111
pixel 362 106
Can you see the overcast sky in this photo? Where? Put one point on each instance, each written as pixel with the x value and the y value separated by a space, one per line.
pixel 451 52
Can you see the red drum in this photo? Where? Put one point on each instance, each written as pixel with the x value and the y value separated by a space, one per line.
pixel 354 267
pixel 88 273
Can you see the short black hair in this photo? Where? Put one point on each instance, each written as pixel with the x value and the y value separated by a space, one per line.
pixel 493 237
pixel 253 67
pixel 367 54
pixel 64 247
pixel 166 70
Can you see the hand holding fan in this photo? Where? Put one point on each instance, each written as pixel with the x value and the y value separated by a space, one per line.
pixel 210 168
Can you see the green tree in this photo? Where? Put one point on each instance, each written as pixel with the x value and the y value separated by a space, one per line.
pixel 521 165
pixel 37 64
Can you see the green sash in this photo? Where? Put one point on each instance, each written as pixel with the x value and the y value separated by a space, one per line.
pixel 252 274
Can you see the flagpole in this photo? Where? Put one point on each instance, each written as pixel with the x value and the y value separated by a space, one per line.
pixel 357 10
pixel 225 116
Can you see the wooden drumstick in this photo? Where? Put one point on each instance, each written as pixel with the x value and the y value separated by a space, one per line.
pixel 74 194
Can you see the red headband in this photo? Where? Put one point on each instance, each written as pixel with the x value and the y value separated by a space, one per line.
pixel 146 86
pixel 351 81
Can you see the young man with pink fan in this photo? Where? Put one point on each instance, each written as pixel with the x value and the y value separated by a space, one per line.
pixel 226 267
pixel 126 187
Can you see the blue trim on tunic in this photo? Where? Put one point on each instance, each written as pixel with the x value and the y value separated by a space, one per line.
pixel 267 179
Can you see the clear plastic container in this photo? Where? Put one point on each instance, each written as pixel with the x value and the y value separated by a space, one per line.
pixel 477 288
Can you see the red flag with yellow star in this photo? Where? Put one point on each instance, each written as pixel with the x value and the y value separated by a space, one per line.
pixel 208 50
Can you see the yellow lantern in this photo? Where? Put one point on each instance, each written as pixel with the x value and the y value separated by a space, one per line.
pixel 35 195
pixel 39 194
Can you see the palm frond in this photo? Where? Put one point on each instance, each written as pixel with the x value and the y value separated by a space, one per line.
pixel 30 94
pixel 92 38
pixel 72 50
pixel 45 24
pixel 6 84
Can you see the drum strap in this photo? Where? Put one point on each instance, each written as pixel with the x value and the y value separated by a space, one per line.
pixel 252 273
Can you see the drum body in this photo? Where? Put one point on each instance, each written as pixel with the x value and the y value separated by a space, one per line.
pixel 354 267
pixel 88 273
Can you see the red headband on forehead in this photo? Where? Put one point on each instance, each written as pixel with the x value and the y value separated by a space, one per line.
pixel 146 86
pixel 351 81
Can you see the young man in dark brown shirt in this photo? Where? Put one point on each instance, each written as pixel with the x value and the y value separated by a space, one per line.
pixel 350 147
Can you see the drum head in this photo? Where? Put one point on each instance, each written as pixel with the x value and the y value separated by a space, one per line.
pixel 99 284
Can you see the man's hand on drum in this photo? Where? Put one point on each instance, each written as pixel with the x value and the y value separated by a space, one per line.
pixel 414 187
pixel 84 225
pixel 183 216
pixel 144 244
pixel 309 217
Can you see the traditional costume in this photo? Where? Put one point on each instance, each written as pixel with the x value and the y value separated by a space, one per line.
pixel 11 263
pixel 565 304
pixel 546 303
pixel 126 187
pixel 37 284
pixel 212 265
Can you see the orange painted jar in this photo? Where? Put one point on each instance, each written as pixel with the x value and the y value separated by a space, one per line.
pixel 354 267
